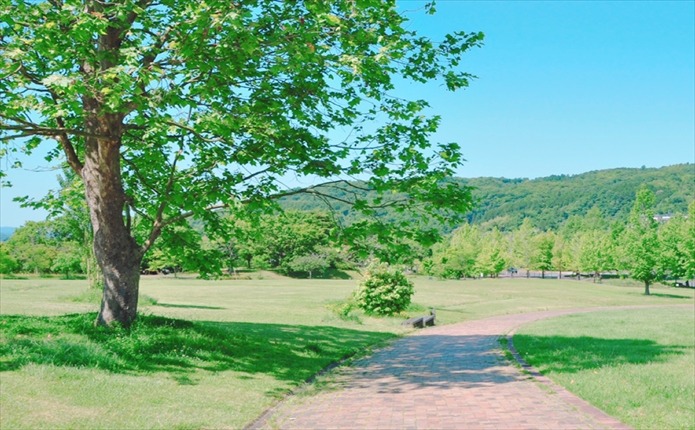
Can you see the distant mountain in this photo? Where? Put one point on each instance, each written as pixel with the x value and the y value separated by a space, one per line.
pixel 549 201
pixel 6 232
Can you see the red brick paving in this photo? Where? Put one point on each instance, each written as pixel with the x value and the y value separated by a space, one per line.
pixel 445 377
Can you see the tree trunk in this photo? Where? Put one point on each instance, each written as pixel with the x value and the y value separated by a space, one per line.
pixel 646 288
pixel 116 251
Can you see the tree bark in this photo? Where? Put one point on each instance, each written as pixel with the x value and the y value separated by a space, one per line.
pixel 646 288
pixel 116 251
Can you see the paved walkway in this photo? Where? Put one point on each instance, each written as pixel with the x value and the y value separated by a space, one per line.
pixel 447 377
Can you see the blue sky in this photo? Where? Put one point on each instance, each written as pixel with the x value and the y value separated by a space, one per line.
pixel 562 88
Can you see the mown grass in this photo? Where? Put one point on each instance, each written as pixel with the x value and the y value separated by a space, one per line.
pixel 636 365
pixel 216 354
pixel 176 355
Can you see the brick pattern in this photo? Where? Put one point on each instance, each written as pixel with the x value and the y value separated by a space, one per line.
pixel 445 377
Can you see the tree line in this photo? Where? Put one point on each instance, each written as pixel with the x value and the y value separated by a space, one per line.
pixel 311 244
pixel 644 247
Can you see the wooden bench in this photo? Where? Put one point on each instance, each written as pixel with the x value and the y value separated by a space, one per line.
pixel 421 322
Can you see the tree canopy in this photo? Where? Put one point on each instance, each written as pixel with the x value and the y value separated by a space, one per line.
pixel 169 109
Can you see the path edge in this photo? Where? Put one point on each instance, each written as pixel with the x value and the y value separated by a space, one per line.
pixel 567 396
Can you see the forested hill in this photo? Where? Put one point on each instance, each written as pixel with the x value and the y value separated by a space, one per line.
pixel 549 201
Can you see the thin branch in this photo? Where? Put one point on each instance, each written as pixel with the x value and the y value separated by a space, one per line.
pixel 158 219
pixel 38 130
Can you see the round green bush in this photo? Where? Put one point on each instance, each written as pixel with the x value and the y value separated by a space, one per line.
pixel 384 291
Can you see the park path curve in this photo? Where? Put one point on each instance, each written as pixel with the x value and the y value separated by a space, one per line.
pixel 444 377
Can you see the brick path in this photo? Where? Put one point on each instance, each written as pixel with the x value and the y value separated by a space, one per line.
pixel 446 377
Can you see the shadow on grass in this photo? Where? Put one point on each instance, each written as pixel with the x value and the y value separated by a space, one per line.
pixel 327 274
pixel 158 344
pixel 670 296
pixel 562 354
pixel 171 305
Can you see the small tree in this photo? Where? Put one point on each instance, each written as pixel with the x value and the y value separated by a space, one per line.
pixel 641 241
pixel 309 263
pixel 542 258
pixel 561 256
pixel 523 245
pixel 384 290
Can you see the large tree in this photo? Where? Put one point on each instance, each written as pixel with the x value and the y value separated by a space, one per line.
pixel 169 109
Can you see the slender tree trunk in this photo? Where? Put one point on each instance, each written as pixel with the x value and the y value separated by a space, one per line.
pixel 646 288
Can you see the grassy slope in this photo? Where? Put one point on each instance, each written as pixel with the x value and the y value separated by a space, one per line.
pixel 249 342
pixel 638 366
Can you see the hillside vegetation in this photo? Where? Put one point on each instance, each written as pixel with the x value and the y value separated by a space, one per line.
pixel 547 202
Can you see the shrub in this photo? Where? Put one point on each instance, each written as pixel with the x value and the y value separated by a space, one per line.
pixel 384 291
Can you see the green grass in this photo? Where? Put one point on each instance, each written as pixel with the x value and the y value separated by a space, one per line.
pixel 636 365
pixel 215 354
pixel 190 358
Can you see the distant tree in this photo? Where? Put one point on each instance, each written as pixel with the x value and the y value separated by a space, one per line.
pixel 542 258
pixel 618 255
pixel 283 237
pixel 182 249
pixel 310 263
pixel 523 246
pixel 455 257
pixel 493 254
pixel 677 244
pixel 68 259
pixel 69 215
pixel 593 249
pixel 33 246
pixel 562 258
pixel 641 241
pixel 7 263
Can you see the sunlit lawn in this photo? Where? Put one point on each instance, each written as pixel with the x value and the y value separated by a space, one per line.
pixel 637 365
pixel 247 343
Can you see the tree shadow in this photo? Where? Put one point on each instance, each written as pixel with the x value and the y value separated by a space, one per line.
pixel 326 274
pixel 171 305
pixel 158 344
pixel 670 296
pixel 563 354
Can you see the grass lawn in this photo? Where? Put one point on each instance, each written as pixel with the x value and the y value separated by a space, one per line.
pixel 636 365
pixel 215 354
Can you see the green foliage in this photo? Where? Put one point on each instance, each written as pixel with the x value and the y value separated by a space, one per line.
pixel 677 246
pixel 310 263
pixel 68 260
pixel 7 263
pixel 384 290
pixel 455 258
pixel 641 240
pixel 33 247
pixel 493 254
pixel 172 110
pixel 548 202
pixel 553 203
